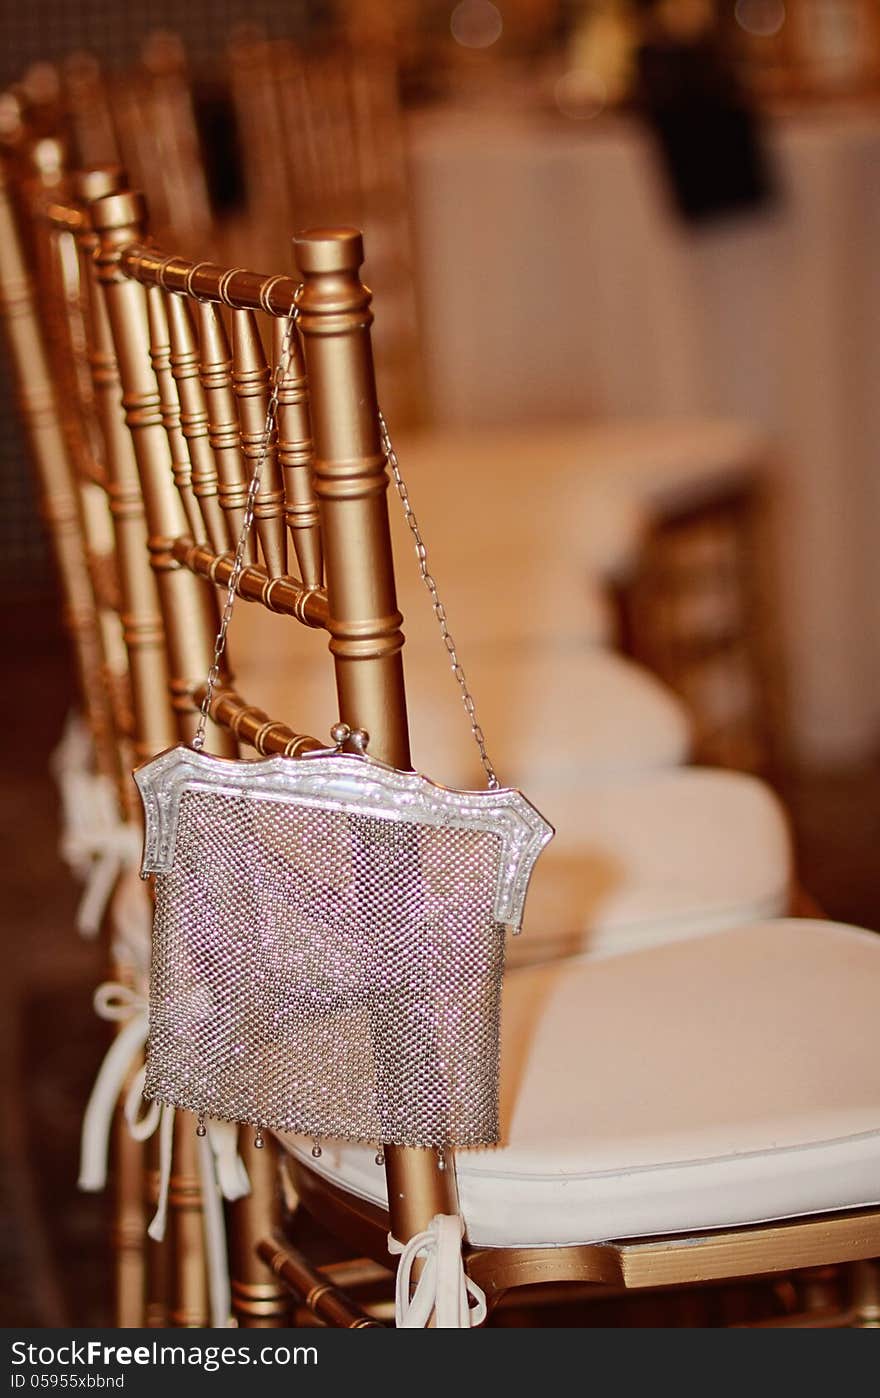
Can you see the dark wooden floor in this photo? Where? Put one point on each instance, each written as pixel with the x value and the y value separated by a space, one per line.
pixel 52 1268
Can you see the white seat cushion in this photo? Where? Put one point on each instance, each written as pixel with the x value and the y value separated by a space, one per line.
pixel 550 720
pixel 498 582
pixel 586 490
pixel 727 1080
pixel 495 494
pixel 568 714
pixel 650 858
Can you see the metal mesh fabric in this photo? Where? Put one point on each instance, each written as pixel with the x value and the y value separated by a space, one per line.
pixel 328 972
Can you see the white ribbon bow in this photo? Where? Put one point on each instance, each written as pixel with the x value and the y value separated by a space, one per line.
pixel 444 1289
pixel 118 1003
pixel 221 1168
pixel 95 844
pixel 112 851
pixel 131 916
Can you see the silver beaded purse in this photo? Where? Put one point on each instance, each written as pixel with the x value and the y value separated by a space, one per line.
pixel 328 943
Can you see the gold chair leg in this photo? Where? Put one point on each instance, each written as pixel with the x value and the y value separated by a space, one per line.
pixel 259 1300
pixel 190 1302
pixel 129 1227
pixel 818 1289
pixel 157 1255
pixel 866 1295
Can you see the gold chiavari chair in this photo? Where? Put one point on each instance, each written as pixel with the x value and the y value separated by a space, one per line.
pixel 144 119
pixel 697 609
pixel 154 332
pixel 144 429
pixel 324 142
pixel 171 618
pixel 694 1160
pixel 172 1282
pixel 69 469
pixel 61 505
pixel 90 122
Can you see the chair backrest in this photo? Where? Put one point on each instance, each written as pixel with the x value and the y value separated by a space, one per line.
pixel 143 118
pixel 323 139
pixel 66 498
pixel 195 407
pixel 62 244
pixel 196 404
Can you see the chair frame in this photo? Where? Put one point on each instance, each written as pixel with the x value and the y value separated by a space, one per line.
pixel 71 503
pixel 361 610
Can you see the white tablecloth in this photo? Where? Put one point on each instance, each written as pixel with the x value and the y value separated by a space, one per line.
pixel 556 282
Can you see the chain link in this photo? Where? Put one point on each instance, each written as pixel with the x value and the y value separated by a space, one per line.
pixel 238 564
pixel 437 605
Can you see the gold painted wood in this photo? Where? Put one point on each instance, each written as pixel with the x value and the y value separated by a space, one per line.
pixel 190 1302
pixel 700 1257
pixel 250 380
pixel 224 432
pixel 351 485
pixel 184 363
pixel 189 613
pixel 69 349
pixel 362 1226
pixel 255 728
pixel 186 631
pixel 89 116
pixel 366 640
pixel 360 608
pixel 55 472
pixel 259 1300
pixel 821 1241
pixel 169 401
pixel 866 1294
pixel 325 141
pixel 284 595
pixel 55 229
pixel 205 281
pixel 296 455
pixel 165 113
pixel 266 171
pixel 320 1295
pixel 129 1223
pixel 154 725
pixel 159 1279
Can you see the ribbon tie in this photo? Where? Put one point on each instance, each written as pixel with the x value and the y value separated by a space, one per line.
pixel 117 1003
pixel 444 1289
pixel 221 1168
pixel 103 850
pixel 95 844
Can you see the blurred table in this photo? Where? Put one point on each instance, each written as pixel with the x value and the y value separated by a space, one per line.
pixel 556 282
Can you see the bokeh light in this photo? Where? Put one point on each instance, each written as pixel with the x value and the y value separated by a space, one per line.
pixel 476 24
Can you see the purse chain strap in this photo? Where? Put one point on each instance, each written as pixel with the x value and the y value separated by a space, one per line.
pixel 427 577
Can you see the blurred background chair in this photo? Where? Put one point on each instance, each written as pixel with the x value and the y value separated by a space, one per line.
pixel 100 833
pixel 329 144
